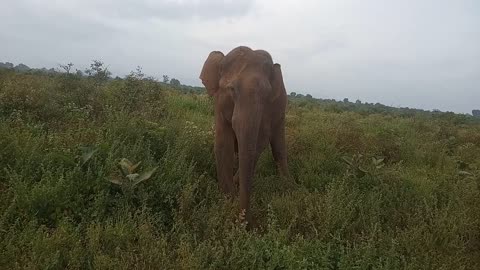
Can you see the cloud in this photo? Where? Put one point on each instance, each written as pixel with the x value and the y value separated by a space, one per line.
pixel 150 9
pixel 413 53
pixel 181 10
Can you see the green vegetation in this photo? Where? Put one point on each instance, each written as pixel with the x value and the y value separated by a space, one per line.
pixel 101 173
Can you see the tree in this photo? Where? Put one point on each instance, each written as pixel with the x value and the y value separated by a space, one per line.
pixel 6 65
pixel 358 101
pixel 174 82
pixel 345 100
pixel 166 79
pixel 309 96
pixel 476 113
pixel 137 74
pixel 98 71
pixel 293 94
pixel 21 68
pixel 66 67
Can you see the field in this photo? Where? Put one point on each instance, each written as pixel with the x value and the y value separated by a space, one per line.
pixel 371 189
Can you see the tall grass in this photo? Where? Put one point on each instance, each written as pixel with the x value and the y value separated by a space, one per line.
pixel 370 191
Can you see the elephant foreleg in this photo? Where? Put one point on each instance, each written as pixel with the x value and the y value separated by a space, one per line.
pixel 279 151
pixel 236 179
pixel 237 175
pixel 224 149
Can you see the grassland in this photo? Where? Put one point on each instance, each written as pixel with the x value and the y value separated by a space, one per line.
pixel 371 190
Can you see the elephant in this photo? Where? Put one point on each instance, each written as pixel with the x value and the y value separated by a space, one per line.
pixel 250 103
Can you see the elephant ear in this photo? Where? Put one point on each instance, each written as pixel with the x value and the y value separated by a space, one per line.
pixel 210 74
pixel 278 87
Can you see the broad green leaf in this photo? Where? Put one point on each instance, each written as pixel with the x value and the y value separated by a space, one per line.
pixel 132 176
pixel 125 162
pixel 361 172
pixel 347 160
pixel 115 181
pixel 87 153
pixel 125 166
pixel 134 167
pixel 376 161
pixel 144 176
pixel 465 173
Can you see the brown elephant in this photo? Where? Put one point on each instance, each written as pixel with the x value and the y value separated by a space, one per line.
pixel 250 103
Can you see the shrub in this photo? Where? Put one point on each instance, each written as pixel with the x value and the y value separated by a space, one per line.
pixel 370 189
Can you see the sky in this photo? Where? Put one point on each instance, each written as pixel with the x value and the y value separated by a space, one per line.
pixel 412 53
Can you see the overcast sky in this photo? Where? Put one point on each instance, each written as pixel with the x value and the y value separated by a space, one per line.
pixel 410 53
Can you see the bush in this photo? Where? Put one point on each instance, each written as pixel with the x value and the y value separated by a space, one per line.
pixel 370 189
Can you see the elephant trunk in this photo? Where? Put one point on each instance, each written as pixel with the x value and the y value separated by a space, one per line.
pixel 247 129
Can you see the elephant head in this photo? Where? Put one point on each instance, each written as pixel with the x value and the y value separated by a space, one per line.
pixel 250 101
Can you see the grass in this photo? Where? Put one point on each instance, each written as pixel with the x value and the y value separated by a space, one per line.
pixel 372 190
